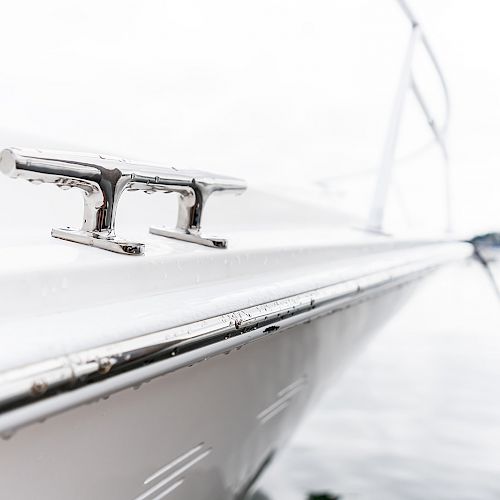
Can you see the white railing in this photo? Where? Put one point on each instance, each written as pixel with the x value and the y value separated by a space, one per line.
pixel 407 82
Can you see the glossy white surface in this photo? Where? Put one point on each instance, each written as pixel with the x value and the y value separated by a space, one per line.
pixel 230 413
pixel 225 415
pixel 202 431
pixel 96 86
pixel 59 297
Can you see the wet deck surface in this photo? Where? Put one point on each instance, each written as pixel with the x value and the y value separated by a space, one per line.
pixel 417 414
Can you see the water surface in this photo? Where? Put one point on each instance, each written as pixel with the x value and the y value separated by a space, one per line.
pixel 417 414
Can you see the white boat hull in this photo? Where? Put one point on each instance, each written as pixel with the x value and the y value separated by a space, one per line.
pixel 203 431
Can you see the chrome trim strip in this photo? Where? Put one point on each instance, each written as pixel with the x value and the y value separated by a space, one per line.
pixel 166 491
pixel 174 463
pixel 300 382
pixel 33 383
pixel 174 475
pixel 280 404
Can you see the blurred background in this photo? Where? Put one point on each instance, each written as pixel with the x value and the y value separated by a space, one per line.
pixel 299 93
pixel 416 415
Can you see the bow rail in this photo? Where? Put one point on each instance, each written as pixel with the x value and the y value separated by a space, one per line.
pixel 408 82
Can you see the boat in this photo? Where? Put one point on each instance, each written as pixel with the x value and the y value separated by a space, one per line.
pixel 169 352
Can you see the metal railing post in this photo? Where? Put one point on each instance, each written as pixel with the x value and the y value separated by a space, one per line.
pixel 377 210
pixel 407 82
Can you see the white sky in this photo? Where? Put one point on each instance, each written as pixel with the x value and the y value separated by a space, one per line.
pixel 290 89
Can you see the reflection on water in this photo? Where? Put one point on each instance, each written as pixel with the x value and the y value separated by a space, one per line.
pixel 417 414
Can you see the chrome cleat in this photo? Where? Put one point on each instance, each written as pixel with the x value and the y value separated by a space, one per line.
pixel 103 180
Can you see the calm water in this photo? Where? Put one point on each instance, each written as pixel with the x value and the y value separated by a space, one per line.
pixel 414 416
